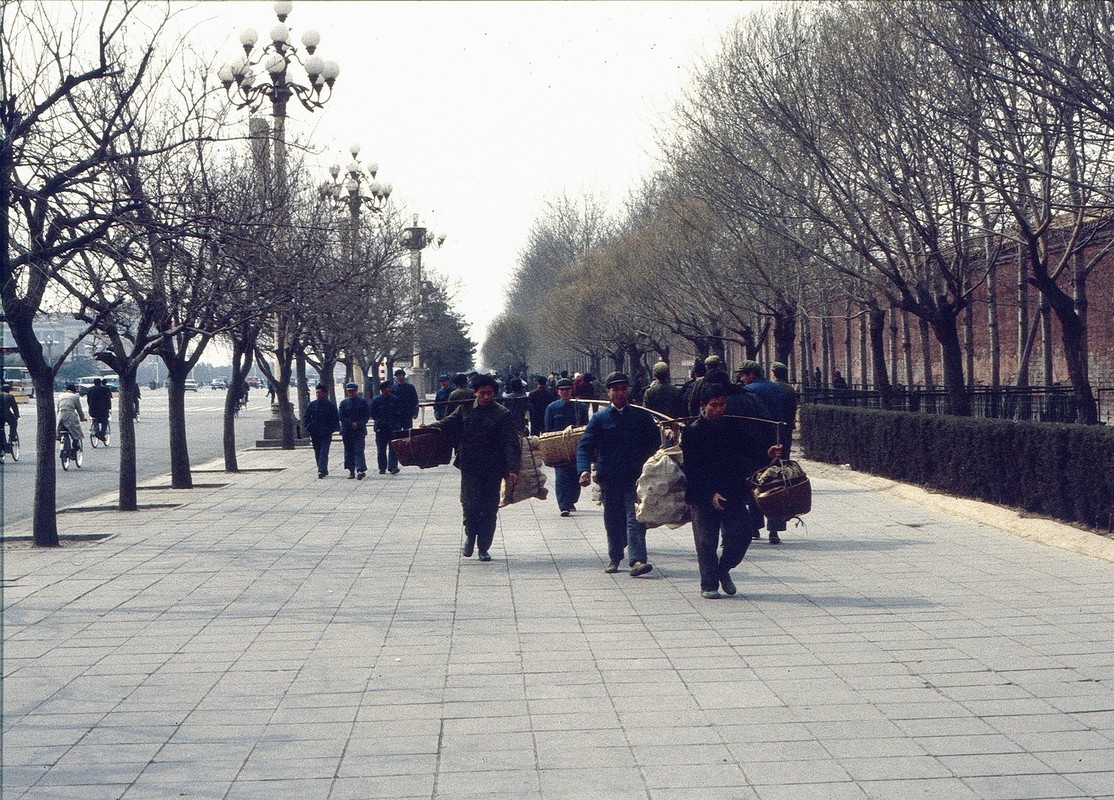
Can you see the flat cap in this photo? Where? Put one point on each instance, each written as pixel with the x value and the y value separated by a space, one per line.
pixel 564 383
pixel 713 361
pixel 616 378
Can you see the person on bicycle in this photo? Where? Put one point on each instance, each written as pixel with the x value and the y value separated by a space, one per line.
pixel 99 401
pixel 70 416
pixel 9 415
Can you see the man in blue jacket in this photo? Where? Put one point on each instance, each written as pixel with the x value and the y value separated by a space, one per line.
pixel 777 405
pixel 622 437
pixel 560 414
pixel 354 413
pixel 388 417
pixel 320 422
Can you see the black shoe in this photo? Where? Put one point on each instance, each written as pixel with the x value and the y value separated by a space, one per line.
pixel 774 538
pixel 756 535
pixel 612 567
pixel 565 512
pixel 382 472
pixel 351 474
pixel 360 475
pixel 484 556
pixel 640 568
pixel 711 595
pixel 469 544
pixel 727 584
pixel 320 474
pixel 393 471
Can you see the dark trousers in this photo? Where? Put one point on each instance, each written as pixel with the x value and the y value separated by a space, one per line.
pixel 479 497
pixel 384 453
pixel 733 525
pixel 624 531
pixel 567 486
pixel 321 444
pixel 354 450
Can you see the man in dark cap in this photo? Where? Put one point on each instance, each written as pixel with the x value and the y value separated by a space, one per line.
pixel 661 395
pixel 461 395
pixel 441 398
pixel 714 372
pixel 487 453
pixel 388 417
pixel 560 414
pixel 539 398
pixel 320 422
pixel 354 412
pixel 622 437
pixel 407 394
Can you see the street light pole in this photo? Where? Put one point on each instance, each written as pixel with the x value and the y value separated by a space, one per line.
pixel 415 239
pixel 239 80
pixel 360 189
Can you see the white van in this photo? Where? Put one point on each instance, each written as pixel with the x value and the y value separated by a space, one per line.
pixel 191 385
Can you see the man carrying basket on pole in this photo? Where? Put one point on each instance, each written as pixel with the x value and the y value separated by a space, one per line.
pixel 559 415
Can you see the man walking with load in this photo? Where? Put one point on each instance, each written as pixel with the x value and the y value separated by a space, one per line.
pixel 620 437
pixel 487 453
pixel 560 414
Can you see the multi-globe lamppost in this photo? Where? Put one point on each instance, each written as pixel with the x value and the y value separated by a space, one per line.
pixel 415 239
pixel 359 190
pixel 276 85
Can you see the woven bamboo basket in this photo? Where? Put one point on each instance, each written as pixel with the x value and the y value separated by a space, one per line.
pixel 782 490
pixel 559 447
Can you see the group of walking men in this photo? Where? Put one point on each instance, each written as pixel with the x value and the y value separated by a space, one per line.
pixel 392 410
pixel 732 431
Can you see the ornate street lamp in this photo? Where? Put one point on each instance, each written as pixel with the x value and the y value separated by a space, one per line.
pixel 358 190
pixel 415 239
pixel 252 80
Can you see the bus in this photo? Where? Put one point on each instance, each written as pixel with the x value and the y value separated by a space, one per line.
pixel 20 379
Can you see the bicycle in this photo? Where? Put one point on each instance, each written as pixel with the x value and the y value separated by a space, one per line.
pixel 69 451
pixel 11 447
pixel 101 432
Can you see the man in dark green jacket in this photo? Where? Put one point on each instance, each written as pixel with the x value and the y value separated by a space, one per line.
pixel 487 452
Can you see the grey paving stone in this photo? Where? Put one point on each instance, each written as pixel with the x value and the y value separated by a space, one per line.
pixel 261 640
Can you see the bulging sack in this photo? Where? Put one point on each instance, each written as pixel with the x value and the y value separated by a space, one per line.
pixel 661 490
pixel 782 490
pixel 531 477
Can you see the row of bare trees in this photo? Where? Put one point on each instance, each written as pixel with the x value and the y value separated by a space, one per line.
pixel 132 203
pixel 897 159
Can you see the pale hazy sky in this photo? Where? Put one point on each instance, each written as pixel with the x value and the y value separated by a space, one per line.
pixel 477 112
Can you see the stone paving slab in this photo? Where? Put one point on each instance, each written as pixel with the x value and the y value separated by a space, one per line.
pixel 280 636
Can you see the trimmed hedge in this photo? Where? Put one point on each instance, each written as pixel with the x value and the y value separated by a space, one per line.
pixel 1056 470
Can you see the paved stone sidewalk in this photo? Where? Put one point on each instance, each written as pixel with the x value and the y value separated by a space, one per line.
pixel 279 636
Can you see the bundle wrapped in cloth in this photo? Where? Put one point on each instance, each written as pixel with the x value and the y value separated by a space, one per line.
pixel 661 490
pixel 531 476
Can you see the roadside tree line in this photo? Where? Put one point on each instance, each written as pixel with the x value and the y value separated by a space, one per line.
pixel 922 167
pixel 135 202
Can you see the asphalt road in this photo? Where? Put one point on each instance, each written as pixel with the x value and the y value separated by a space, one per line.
pixel 101 469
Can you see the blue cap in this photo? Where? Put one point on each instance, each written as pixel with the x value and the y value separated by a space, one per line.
pixel 348 386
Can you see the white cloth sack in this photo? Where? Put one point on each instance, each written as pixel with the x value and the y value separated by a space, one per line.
pixel 531 477
pixel 661 490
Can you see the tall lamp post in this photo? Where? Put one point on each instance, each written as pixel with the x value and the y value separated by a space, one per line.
pixel 276 85
pixel 358 190
pixel 415 239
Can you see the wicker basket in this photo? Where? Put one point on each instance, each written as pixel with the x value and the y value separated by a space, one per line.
pixel 422 447
pixel 782 490
pixel 559 447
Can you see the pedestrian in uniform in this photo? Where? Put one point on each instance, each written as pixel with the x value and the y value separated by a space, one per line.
pixel 441 398
pixel 560 414
pixel 354 412
pixel 321 421
pixel 388 417
pixel 622 437
pixel 777 407
pixel 661 395
pixel 407 393
pixel 487 453
pixel 540 398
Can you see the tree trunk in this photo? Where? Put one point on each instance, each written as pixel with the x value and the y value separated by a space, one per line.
pixel 45 521
pixel 877 317
pixel 907 349
pixel 993 332
pixel 1073 332
pixel 1024 335
pixel 864 359
pixel 785 327
pixel 1046 341
pixel 128 499
pixel 176 373
pixel 947 333
pixel 926 352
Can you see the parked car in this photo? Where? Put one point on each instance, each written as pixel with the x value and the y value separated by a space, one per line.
pixel 218 383
pixel 254 382
pixel 191 385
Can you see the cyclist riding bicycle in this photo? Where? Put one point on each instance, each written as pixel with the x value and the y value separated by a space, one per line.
pixel 9 416
pixel 70 416
pixel 99 400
